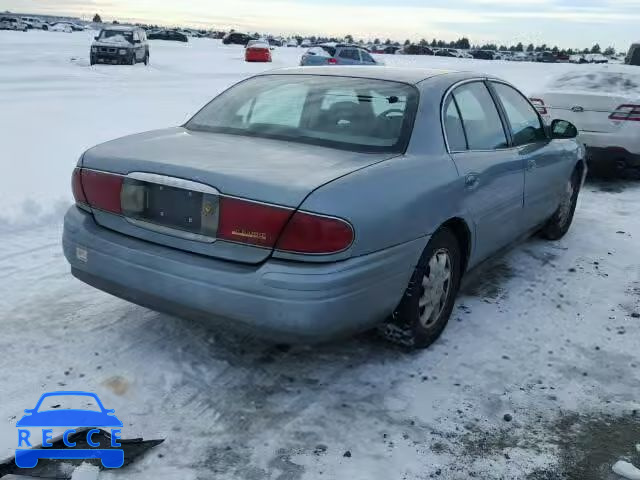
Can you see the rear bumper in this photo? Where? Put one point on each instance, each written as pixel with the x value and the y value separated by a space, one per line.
pixel 279 300
pixel 612 157
pixel 612 150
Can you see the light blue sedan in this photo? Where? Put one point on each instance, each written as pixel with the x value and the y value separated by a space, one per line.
pixel 337 54
pixel 309 203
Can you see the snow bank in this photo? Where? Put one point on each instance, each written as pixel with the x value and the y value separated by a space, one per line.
pixel 610 82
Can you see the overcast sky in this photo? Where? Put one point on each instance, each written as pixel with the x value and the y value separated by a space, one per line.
pixel 567 23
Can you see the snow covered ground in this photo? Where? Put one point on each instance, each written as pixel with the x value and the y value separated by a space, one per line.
pixel 536 377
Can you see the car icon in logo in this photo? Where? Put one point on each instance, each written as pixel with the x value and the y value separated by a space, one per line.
pixel 84 443
pixel 69 418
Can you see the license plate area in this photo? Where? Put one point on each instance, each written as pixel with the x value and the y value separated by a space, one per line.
pixel 171 206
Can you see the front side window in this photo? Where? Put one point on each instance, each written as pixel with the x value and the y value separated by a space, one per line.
pixel 524 120
pixel 480 117
pixel 340 112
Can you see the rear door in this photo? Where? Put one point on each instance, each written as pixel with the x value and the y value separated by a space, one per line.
pixel 492 172
pixel 545 162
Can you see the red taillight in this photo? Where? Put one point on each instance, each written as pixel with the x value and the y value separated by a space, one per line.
pixel 539 104
pixel 626 113
pixel 101 190
pixel 316 234
pixel 250 222
pixel 263 225
pixel 76 187
pixel 332 61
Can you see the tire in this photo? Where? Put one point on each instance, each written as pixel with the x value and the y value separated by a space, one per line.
pixel 132 61
pixel 560 222
pixel 434 285
pixel 92 60
pixel 146 59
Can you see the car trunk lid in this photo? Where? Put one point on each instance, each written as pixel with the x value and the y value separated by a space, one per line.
pixel 588 111
pixel 172 182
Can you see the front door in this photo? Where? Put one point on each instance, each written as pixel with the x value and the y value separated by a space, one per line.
pixel 492 173
pixel 544 161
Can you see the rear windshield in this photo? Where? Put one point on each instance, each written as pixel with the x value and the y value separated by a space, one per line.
pixel 598 82
pixel 339 112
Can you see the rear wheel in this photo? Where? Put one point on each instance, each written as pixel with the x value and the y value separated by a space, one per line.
pixel 428 301
pixel 146 59
pixel 558 225
pixel 92 60
pixel 132 61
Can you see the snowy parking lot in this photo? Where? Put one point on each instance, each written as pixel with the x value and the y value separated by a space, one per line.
pixel 536 377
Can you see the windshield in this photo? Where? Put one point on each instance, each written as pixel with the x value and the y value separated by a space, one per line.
pixel 340 112
pixel 69 402
pixel 116 36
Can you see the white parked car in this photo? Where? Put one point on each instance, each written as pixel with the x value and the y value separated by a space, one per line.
pixel 519 57
pixel 12 23
pixel 306 43
pixel 35 23
pixel 61 27
pixel 293 43
pixel 605 107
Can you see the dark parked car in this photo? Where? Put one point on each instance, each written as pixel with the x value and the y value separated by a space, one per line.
pixel 308 203
pixel 275 42
pixel 483 54
pixel 171 35
pixel 120 45
pixel 445 53
pixel 633 57
pixel 417 50
pixel 236 38
pixel 546 57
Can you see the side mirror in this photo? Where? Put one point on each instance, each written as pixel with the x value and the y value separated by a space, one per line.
pixel 96 38
pixel 563 129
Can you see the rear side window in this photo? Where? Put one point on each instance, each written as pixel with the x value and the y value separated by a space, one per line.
pixel 480 117
pixel 525 123
pixel 350 53
pixel 453 127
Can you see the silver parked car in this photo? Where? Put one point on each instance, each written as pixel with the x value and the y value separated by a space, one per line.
pixel 337 54
pixel 308 203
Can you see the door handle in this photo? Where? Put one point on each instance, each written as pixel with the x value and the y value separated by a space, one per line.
pixel 471 180
pixel 531 164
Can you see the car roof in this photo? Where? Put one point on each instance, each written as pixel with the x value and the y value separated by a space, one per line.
pixel 398 74
pixel 121 28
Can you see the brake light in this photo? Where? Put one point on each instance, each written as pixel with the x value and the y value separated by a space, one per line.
pixel 76 187
pixel 101 190
pixel 315 234
pixel 626 113
pixel 250 222
pixel 538 103
pixel 332 61
pixel 272 226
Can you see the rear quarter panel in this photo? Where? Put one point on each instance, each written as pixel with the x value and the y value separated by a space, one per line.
pixel 403 198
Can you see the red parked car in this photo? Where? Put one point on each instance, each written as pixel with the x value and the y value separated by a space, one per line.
pixel 257 52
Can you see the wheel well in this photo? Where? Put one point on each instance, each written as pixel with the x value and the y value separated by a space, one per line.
pixel 461 230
